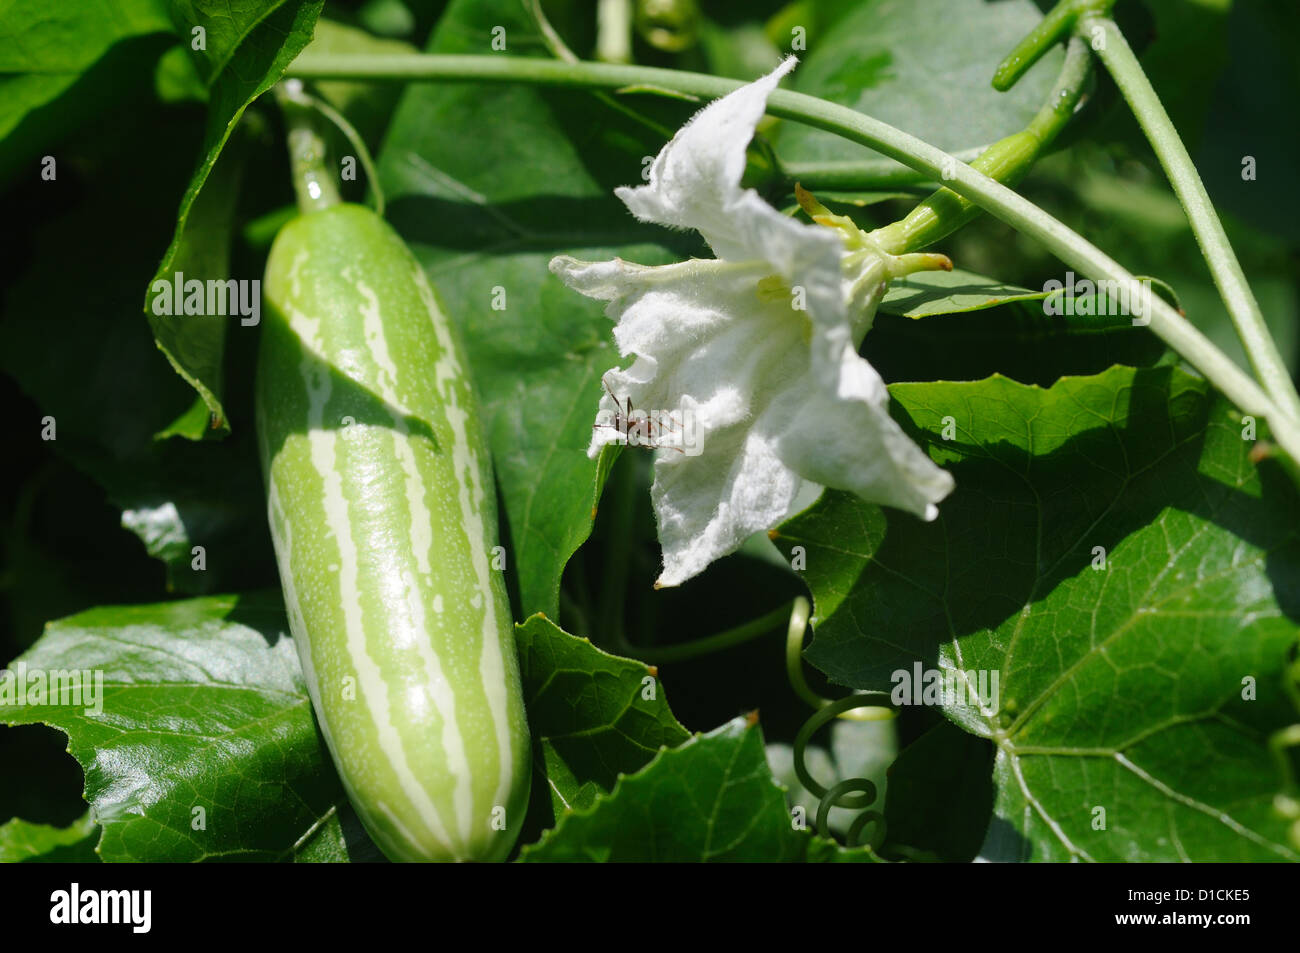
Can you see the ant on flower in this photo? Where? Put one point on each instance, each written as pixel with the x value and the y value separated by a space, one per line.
pixel 639 428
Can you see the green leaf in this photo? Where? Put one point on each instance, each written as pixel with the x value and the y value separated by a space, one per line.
pixel 195 347
pixel 197 342
pixel 950 292
pixel 925 66
pixel 22 842
pixel 1147 688
pixel 46 49
pixel 205 747
pixel 594 716
pixel 485 224
pixel 214 30
pixel 63 39
pixel 1081 306
pixel 710 799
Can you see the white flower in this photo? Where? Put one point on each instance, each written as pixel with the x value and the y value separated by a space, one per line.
pixel 753 353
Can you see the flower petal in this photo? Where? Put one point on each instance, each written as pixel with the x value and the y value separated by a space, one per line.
pixel 708 348
pixel 703 336
pixel 695 184
pixel 706 511
pixel 841 435
pixel 718 360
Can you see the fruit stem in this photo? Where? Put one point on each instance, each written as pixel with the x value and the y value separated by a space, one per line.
pixel 312 180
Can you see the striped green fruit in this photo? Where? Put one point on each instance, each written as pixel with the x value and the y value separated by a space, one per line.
pixel 383 515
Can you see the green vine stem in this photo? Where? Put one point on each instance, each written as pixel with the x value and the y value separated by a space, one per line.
pixel 313 182
pixel 851 793
pixel 1118 57
pixel 794 653
pixel 866 793
pixel 1006 161
pixel 860 175
pixel 794 638
pixel 996 199
pixel 836 796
